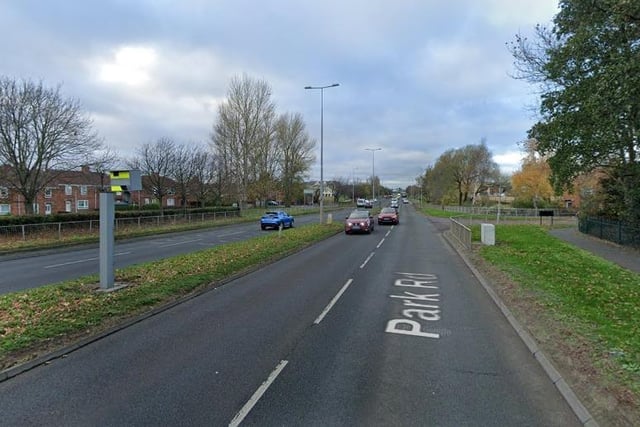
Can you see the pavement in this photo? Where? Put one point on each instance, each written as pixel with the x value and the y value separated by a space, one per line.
pixel 625 257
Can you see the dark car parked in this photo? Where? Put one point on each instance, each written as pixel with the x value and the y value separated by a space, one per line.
pixel 359 221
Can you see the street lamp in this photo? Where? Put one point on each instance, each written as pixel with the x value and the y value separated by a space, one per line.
pixel 322 88
pixel 353 184
pixel 373 171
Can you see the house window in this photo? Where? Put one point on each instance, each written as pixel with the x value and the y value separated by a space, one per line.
pixel 47 208
pixel 48 193
pixel 147 201
pixel 4 192
pixel 83 204
pixel 36 208
pixel 67 190
pixel 83 190
pixel 171 202
pixel 5 209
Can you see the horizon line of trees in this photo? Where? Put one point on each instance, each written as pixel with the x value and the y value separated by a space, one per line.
pixel 253 154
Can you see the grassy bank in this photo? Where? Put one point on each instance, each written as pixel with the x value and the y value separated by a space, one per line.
pixel 38 320
pixel 600 299
pixel 583 310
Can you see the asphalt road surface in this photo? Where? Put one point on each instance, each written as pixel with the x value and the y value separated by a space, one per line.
pixel 386 329
pixel 33 269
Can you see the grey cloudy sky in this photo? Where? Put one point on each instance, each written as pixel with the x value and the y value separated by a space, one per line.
pixel 417 77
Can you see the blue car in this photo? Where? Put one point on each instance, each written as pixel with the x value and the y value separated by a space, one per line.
pixel 276 219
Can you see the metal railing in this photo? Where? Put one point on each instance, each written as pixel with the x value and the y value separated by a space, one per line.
pixel 461 233
pixel 613 231
pixel 58 229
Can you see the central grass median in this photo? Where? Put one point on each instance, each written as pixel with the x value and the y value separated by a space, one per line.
pixel 38 320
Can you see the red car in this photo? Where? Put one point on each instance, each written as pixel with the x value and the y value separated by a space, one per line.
pixel 359 222
pixel 388 216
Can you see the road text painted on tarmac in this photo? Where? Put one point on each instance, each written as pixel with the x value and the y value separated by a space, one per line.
pixel 419 309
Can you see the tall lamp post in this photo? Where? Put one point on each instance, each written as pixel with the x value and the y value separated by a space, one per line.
pixel 322 88
pixel 373 171
pixel 353 184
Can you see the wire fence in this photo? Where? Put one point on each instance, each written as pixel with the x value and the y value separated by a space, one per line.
pixel 613 231
pixel 474 215
pixel 89 227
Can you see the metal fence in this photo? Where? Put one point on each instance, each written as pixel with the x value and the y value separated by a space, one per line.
pixel 58 229
pixel 492 211
pixel 613 231
pixel 461 232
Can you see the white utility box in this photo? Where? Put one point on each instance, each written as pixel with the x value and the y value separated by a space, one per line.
pixel 488 234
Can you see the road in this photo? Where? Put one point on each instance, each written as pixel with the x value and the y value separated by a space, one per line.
pixel 33 269
pixel 383 329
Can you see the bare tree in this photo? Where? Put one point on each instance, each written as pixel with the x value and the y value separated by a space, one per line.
pixel 265 180
pixel 104 161
pixel 296 152
pixel 204 174
pixel 183 170
pixel 41 135
pixel 239 134
pixel 156 162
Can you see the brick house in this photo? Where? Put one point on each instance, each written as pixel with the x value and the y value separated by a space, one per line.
pixel 79 191
pixel 70 191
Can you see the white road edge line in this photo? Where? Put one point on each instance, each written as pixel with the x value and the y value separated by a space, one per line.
pixel 231 234
pixel 332 302
pixel 81 260
pixel 179 243
pixel 367 260
pixel 380 244
pixel 257 395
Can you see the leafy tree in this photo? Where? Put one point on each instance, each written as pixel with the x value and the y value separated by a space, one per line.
pixel 464 172
pixel 472 168
pixel 588 68
pixel 42 135
pixel 531 184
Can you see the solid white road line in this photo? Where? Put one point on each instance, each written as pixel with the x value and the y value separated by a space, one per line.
pixel 179 243
pixel 332 302
pixel 81 260
pixel 257 395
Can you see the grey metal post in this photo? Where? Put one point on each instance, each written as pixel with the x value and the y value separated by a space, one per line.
pixel 322 88
pixel 107 216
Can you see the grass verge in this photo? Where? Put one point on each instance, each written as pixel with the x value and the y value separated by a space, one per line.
pixel 583 310
pixel 37 321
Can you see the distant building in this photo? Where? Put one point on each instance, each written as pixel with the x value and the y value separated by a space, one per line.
pixel 79 191
pixel 70 191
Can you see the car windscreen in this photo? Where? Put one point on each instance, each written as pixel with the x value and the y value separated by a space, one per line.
pixel 359 215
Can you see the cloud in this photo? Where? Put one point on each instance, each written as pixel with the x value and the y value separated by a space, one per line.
pixel 129 65
pixel 416 77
